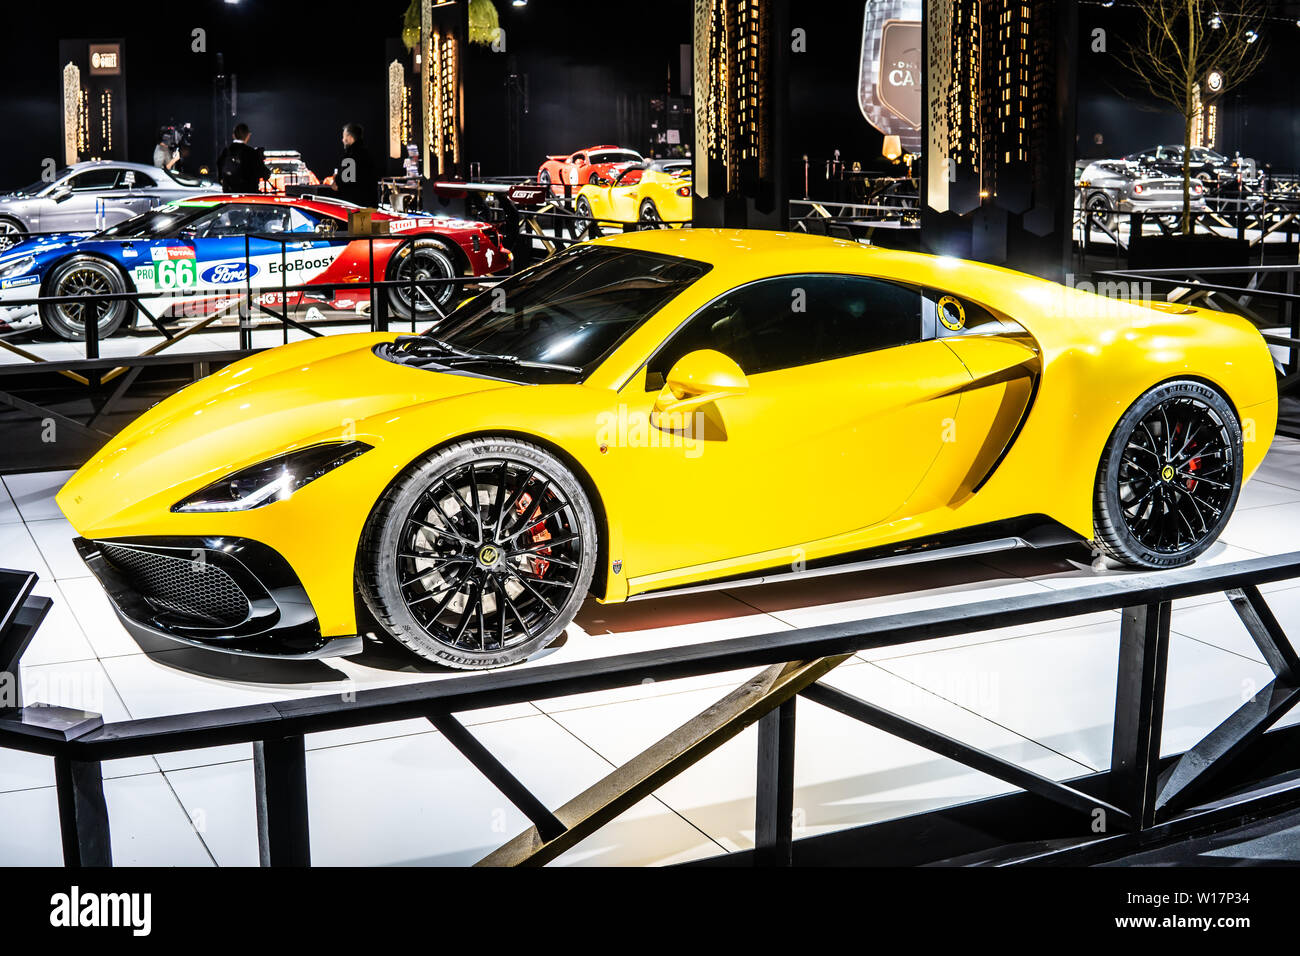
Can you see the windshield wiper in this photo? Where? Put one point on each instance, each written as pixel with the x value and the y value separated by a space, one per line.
pixel 424 342
pixel 456 361
pixel 422 349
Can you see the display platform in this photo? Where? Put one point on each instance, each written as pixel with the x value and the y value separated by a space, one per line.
pixel 400 794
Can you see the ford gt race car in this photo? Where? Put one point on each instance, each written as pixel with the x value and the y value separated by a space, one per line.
pixel 659 411
pixel 578 168
pixel 193 253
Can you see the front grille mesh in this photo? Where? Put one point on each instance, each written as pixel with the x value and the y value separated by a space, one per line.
pixel 194 589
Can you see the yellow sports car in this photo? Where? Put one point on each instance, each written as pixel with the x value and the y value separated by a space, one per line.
pixel 659 411
pixel 653 195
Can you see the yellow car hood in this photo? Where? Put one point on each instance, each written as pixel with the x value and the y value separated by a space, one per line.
pixel 329 388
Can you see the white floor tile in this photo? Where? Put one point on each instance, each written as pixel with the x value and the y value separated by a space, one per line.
pixel 845 772
pixel 59 638
pixel 8 510
pixel 1269 530
pixel 29 827
pixel 416 800
pixel 148 825
pixel 1059 688
pixel 18 552
pixel 53 537
pixel 1262 494
pixel 98 621
pixel 34 493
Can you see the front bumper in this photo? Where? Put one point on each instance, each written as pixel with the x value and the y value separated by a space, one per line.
pixel 225 594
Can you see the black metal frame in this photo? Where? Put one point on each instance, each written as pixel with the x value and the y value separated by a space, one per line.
pixel 1141 793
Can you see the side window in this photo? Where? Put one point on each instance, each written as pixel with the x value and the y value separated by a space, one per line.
pixel 299 221
pixel 93 179
pixel 797 320
pixel 134 179
pixel 236 220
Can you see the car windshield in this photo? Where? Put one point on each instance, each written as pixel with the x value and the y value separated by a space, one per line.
pixel 615 156
pixel 39 185
pixel 572 309
pixel 158 224
pixel 186 180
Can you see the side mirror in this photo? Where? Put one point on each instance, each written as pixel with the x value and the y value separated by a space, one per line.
pixel 60 194
pixel 699 378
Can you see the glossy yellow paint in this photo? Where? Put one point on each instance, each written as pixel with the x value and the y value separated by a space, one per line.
pixel 801 463
pixel 622 203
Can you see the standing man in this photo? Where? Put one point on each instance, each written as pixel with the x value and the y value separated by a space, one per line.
pixel 355 180
pixel 240 166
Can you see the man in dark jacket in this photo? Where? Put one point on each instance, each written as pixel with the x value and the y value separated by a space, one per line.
pixel 356 180
pixel 240 166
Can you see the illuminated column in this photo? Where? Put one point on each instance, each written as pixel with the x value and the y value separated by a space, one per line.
pixel 74 130
pixel 999 77
pixel 93 80
pixel 741 70
pixel 444 24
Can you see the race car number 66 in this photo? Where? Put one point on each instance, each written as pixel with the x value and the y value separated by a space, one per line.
pixel 177 274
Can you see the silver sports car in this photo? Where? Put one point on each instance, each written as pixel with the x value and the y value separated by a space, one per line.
pixel 92 196
pixel 1113 187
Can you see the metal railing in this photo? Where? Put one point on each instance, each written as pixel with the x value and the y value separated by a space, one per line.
pixel 1138 793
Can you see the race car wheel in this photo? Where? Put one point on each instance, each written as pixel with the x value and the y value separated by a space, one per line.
pixel 544 178
pixel 480 554
pixel 585 226
pixel 85 276
pixel 422 260
pixel 649 217
pixel 11 233
pixel 1101 212
pixel 1170 477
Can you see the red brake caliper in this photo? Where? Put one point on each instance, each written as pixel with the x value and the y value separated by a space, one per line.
pixel 539 534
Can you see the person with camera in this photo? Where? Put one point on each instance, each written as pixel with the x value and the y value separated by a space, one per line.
pixel 240 166
pixel 164 155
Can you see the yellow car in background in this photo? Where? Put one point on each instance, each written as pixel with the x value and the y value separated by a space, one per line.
pixel 658 411
pixel 652 195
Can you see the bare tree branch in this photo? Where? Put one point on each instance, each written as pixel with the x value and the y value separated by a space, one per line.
pixel 1179 43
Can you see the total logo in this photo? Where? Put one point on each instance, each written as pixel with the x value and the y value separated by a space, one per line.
pixel 228 273
pixel 161 253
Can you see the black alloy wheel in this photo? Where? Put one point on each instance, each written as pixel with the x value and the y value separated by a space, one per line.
pixel 1101 213
pixel 649 217
pixel 1170 477
pixel 481 554
pixel 424 261
pixel 585 226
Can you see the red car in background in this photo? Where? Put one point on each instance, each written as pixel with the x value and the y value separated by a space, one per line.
pixel 577 168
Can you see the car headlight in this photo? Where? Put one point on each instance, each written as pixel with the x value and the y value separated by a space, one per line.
pixel 17 267
pixel 272 480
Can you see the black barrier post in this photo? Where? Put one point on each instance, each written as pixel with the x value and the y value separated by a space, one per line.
pixel 83 812
pixel 284 288
pixel 280 781
pixel 90 322
pixel 246 307
pixel 378 299
pixel 774 798
pixel 1140 710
